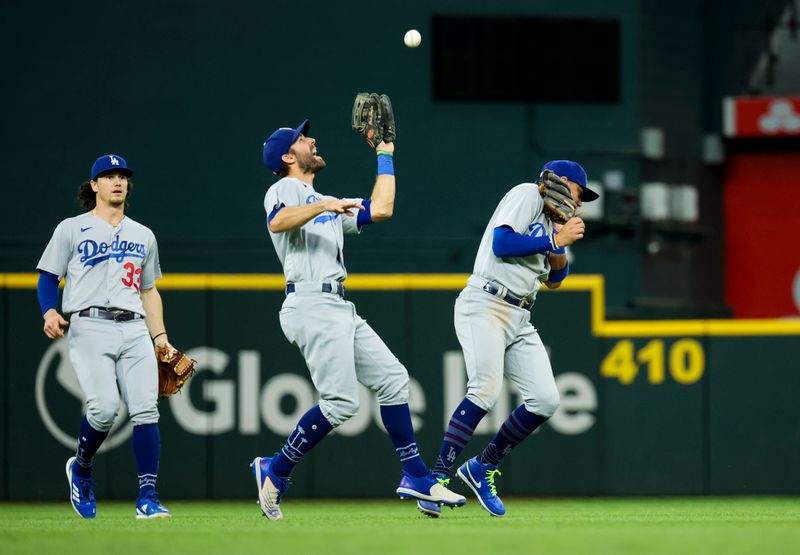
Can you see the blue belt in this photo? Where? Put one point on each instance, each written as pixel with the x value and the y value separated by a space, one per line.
pixel 509 298
pixel 326 287
pixel 116 314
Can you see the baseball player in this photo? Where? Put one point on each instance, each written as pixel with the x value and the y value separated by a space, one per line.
pixel 340 349
pixel 522 247
pixel 110 263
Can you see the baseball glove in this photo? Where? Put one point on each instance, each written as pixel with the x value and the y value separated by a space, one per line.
pixel 174 370
pixel 373 118
pixel 557 197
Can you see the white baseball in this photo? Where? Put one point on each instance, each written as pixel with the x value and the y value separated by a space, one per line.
pixel 412 38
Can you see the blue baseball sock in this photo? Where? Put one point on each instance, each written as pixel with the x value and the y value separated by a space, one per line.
pixel 147 449
pixel 520 424
pixel 89 441
pixel 312 427
pixel 397 421
pixel 459 431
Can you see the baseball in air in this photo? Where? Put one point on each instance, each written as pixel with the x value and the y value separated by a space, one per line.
pixel 412 38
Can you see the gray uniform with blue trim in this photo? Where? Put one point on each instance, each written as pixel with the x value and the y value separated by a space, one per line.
pixel 340 349
pixel 497 337
pixel 107 266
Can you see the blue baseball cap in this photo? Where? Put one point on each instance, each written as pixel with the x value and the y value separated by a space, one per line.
pixel 110 162
pixel 279 142
pixel 574 172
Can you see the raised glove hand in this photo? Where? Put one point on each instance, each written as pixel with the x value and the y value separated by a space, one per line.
pixel 389 126
pixel 557 197
pixel 373 118
pixel 174 369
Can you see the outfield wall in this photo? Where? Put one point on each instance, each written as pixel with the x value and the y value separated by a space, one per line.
pixel 648 407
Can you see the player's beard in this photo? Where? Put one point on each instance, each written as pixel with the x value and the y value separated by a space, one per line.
pixel 309 163
pixel 112 201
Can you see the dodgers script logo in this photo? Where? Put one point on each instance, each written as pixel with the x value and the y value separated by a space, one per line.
pixel 325 217
pixel 93 252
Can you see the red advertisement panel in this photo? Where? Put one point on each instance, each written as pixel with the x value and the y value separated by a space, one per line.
pixel 762 232
pixel 762 116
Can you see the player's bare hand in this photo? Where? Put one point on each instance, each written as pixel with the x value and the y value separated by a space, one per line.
pixel 570 232
pixel 54 324
pixel 386 147
pixel 162 341
pixel 341 206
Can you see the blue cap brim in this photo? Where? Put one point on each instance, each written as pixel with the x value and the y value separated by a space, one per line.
pixel 124 171
pixel 303 128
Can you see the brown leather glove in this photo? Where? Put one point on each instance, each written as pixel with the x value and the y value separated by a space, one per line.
pixel 174 370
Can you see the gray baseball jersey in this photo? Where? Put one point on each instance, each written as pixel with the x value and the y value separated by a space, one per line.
pixel 522 209
pixel 497 337
pixel 104 265
pixel 340 349
pixel 314 251
pixel 108 266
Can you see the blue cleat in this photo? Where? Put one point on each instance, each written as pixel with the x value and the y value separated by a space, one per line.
pixel 81 493
pixel 430 508
pixel 427 488
pixel 270 487
pixel 150 507
pixel 480 479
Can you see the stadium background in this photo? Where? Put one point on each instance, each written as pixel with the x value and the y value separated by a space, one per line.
pixel 187 92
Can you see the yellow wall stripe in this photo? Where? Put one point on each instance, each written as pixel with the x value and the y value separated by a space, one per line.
pixel 592 284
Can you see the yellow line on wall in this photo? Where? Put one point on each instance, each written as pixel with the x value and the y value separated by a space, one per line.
pixel 592 284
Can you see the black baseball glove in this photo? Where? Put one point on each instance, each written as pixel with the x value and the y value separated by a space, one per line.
pixel 557 197
pixel 373 118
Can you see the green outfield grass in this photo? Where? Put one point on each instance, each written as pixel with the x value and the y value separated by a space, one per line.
pixel 678 525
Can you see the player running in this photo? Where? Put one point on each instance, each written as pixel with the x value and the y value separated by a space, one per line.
pixel 340 349
pixel 521 248
pixel 110 263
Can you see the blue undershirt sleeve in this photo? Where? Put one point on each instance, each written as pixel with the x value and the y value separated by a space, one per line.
pixel 507 242
pixel 558 275
pixel 47 291
pixel 275 210
pixel 365 216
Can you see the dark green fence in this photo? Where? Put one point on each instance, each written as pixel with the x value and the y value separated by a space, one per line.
pixel 646 408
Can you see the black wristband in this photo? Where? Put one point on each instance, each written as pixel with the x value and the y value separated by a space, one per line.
pixel 158 335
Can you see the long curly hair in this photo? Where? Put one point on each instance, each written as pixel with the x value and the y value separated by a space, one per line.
pixel 87 198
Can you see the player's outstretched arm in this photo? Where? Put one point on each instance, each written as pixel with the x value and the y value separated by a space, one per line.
pixel 383 193
pixel 292 217
pixel 154 316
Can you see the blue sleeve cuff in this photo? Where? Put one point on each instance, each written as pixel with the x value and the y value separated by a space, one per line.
pixel 365 216
pixel 47 291
pixel 558 275
pixel 385 163
pixel 559 250
pixel 274 212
